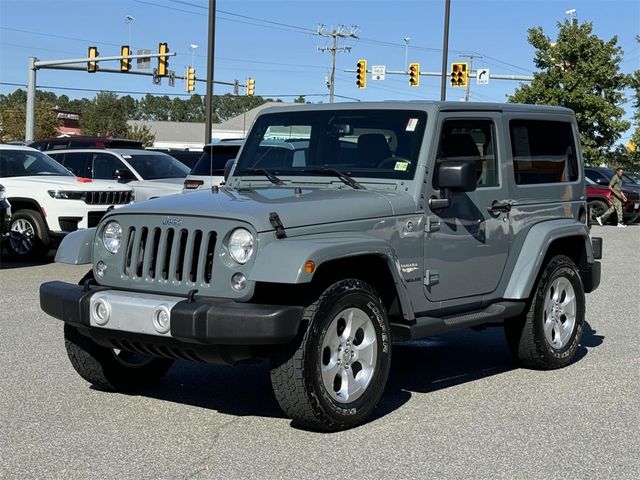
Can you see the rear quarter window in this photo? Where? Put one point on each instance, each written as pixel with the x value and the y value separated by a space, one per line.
pixel 543 152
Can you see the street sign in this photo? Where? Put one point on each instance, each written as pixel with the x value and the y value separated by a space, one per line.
pixel 482 76
pixel 172 78
pixel 157 79
pixel 378 72
pixel 145 62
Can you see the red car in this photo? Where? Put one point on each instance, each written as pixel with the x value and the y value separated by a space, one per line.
pixel 599 200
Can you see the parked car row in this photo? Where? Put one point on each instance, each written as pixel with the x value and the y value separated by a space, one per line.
pixel 55 192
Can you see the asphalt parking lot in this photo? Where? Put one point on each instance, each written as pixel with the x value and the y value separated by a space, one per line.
pixel 456 405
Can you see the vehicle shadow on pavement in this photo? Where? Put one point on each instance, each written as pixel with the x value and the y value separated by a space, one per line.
pixel 7 262
pixel 420 366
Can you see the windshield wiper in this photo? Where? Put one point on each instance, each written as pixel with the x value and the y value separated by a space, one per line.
pixel 341 175
pixel 272 178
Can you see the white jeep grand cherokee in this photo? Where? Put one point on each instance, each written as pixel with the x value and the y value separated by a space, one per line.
pixel 48 201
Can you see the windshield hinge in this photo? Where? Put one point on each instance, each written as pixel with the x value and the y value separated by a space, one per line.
pixel 276 223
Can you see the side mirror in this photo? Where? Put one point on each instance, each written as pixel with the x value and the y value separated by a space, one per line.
pixel 457 175
pixel 453 176
pixel 227 168
pixel 123 175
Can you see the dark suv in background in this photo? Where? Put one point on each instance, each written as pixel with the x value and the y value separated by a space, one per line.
pixel 60 143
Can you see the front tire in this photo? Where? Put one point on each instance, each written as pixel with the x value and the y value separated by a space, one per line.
pixel 596 209
pixel 547 336
pixel 333 378
pixel 29 237
pixel 108 369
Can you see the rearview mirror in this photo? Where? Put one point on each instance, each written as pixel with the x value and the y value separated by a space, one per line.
pixel 123 175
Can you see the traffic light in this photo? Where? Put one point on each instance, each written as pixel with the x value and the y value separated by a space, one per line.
pixel 361 73
pixel 125 63
pixel 251 87
pixel 414 74
pixel 459 74
pixel 191 79
pixel 163 61
pixel 92 66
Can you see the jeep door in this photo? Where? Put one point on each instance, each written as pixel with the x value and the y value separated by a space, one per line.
pixel 467 244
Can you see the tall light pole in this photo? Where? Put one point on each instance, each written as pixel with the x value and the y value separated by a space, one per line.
pixel 208 112
pixel 129 20
pixel 193 54
pixel 406 52
pixel 445 51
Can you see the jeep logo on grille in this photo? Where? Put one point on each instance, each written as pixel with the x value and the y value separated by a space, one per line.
pixel 172 221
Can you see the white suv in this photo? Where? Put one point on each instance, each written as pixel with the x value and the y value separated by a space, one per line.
pixel 48 201
pixel 150 174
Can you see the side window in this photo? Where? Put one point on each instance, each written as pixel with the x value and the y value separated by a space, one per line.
pixel 76 162
pixel 471 139
pixel 543 152
pixel 104 164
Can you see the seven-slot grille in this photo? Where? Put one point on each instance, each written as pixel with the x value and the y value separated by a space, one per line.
pixel 107 198
pixel 169 254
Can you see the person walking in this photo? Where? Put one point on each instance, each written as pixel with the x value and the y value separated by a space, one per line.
pixel 617 197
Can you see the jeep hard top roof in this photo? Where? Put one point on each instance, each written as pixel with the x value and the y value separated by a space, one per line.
pixel 426 105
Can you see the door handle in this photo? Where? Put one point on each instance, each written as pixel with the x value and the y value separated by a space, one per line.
pixel 499 206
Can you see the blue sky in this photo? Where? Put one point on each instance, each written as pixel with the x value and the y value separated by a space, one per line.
pixel 273 41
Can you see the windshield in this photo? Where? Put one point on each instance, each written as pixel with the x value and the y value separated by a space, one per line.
pixel 26 163
pixel 360 143
pixel 153 166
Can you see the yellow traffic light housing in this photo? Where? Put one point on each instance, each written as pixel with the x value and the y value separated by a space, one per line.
pixel 361 73
pixel 125 63
pixel 414 74
pixel 459 74
pixel 163 61
pixel 251 87
pixel 92 66
pixel 191 79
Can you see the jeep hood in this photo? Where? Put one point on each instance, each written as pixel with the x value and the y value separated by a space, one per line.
pixel 296 208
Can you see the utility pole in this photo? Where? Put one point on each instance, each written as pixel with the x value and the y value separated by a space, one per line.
pixel 445 51
pixel 209 91
pixel 470 56
pixel 336 33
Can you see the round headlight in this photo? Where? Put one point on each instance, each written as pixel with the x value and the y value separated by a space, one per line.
pixel 241 245
pixel 112 236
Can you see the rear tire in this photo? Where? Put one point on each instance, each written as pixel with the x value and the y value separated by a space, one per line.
pixel 29 237
pixel 110 370
pixel 548 334
pixel 333 377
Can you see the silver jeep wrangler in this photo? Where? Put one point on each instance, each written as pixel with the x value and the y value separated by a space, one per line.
pixel 341 229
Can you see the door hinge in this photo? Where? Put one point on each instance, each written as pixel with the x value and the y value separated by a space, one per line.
pixel 431 277
pixel 432 224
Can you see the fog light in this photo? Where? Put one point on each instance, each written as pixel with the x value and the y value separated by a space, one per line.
pixel 238 281
pixel 101 267
pixel 162 319
pixel 101 312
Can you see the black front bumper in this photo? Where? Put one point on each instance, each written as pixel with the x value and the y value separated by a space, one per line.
pixel 202 321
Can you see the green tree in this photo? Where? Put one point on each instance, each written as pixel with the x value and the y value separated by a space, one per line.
pixel 105 116
pixel 228 106
pixel 141 133
pixel 582 72
pixel 12 122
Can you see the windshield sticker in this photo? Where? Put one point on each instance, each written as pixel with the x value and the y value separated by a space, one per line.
pixel 126 156
pixel 412 124
pixel 401 166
